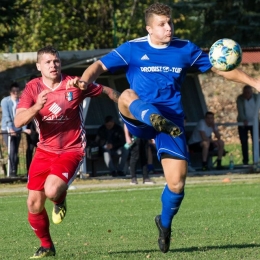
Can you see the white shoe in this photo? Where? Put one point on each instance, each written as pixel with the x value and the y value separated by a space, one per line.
pixel 148 181
pixel 133 181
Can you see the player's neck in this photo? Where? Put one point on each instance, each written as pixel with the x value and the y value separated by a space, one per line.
pixel 156 44
pixel 52 83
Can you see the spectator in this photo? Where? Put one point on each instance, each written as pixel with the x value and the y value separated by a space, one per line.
pixel 201 140
pixel 246 107
pixel 8 105
pixel 112 138
pixel 151 149
pixel 138 150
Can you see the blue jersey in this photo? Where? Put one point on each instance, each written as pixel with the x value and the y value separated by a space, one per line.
pixel 156 74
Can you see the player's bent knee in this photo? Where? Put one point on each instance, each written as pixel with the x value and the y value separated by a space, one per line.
pixel 176 187
pixel 54 193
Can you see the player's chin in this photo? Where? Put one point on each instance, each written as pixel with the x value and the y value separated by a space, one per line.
pixel 167 39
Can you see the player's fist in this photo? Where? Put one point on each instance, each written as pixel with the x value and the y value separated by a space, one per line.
pixel 42 99
pixel 77 83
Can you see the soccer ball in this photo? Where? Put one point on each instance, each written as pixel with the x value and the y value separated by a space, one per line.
pixel 225 54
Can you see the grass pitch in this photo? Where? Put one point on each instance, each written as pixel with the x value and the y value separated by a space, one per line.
pixel 216 221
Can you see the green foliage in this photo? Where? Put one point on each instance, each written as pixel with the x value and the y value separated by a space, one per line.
pixel 238 20
pixel 215 221
pixel 27 25
pixel 10 11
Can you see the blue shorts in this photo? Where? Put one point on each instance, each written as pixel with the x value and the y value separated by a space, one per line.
pixel 165 143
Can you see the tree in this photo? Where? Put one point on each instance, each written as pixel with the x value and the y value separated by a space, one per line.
pixel 79 24
pixel 10 11
pixel 235 19
pixel 85 25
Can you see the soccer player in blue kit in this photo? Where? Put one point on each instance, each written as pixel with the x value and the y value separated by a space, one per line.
pixel 155 67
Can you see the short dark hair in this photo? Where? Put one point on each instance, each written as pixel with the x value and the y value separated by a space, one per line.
pixel 47 49
pixel 13 85
pixel 209 113
pixel 247 87
pixel 109 119
pixel 158 9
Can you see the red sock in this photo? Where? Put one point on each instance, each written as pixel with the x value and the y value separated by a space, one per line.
pixel 61 198
pixel 41 226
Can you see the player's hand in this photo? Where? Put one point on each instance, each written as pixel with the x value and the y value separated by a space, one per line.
pixel 27 131
pixel 77 83
pixel 42 99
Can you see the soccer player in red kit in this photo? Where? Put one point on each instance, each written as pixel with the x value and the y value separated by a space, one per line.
pixel 57 112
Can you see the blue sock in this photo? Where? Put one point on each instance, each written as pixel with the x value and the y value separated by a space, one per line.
pixel 142 111
pixel 170 205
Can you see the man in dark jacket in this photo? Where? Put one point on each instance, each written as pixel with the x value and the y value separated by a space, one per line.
pixel 246 107
pixel 112 139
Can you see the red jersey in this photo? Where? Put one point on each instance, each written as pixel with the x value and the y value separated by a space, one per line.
pixel 60 122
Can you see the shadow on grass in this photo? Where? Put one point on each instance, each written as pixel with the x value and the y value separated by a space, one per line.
pixel 192 249
pixel 208 248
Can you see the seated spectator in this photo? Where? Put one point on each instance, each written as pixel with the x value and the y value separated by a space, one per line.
pixel 201 140
pixel 111 137
pixel 138 149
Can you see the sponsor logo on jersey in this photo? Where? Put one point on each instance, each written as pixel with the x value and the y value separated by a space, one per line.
pixel 55 117
pixel 145 57
pixel 144 113
pixel 161 69
pixel 66 175
pixel 55 109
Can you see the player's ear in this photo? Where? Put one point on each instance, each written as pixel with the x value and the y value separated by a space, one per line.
pixel 148 29
pixel 38 66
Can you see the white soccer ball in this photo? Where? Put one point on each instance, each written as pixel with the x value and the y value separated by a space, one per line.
pixel 225 54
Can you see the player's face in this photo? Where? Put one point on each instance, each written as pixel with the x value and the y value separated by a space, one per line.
pixel 160 29
pixel 50 66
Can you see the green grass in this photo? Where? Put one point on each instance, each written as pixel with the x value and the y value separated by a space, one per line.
pixel 216 221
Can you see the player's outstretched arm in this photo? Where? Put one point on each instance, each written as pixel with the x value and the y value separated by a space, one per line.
pixel 88 76
pixel 93 71
pixel 112 93
pixel 239 76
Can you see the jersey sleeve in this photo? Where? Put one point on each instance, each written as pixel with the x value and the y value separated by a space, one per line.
pixel 92 90
pixel 118 58
pixel 199 58
pixel 27 98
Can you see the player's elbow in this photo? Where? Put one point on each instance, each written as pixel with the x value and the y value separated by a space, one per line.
pixel 17 123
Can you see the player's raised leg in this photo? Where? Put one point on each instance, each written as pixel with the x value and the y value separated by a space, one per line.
pixel 172 196
pixel 56 191
pixel 132 107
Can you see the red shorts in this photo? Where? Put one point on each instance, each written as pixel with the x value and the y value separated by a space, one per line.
pixel 64 165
